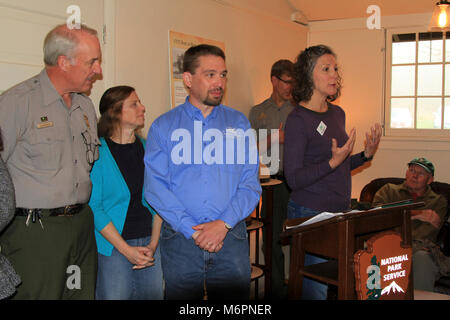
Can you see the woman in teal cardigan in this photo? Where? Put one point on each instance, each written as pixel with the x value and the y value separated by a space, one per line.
pixel 127 229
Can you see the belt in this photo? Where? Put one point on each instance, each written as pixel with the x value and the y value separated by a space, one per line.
pixel 69 210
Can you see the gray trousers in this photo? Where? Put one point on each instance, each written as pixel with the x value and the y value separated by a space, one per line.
pixel 425 271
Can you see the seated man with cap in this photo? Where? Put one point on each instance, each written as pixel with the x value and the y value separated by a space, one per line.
pixel 426 221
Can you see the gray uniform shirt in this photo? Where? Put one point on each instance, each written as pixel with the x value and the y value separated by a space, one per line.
pixel 267 115
pixel 48 148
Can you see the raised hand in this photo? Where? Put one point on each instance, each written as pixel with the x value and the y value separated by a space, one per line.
pixel 372 140
pixel 338 155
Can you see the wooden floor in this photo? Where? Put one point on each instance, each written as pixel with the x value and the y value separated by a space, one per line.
pixel 427 295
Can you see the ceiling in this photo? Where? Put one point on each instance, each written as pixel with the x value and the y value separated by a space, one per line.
pixel 318 10
pixel 315 10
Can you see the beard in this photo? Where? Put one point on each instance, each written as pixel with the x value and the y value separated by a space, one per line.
pixel 213 101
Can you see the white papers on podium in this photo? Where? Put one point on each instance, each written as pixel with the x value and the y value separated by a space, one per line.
pixel 320 217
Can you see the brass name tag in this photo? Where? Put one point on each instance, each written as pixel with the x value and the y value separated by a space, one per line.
pixel 45 124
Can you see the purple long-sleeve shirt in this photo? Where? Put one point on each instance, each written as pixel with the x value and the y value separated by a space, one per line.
pixel 307 150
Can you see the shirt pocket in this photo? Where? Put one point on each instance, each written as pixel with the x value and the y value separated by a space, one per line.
pixel 46 148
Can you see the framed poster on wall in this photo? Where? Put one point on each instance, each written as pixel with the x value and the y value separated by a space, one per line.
pixel 178 44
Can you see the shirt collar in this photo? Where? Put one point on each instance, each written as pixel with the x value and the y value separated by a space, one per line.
pixel 285 104
pixel 195 114
pixel 404 188
pixel 49 92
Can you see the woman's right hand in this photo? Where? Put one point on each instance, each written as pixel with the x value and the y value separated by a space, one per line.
pixel 139 257
pixel 340 154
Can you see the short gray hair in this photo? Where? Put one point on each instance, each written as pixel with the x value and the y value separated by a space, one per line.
pixel 62 41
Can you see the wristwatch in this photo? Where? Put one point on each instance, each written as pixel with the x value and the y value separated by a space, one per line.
pixel 228 226
pixel 365 159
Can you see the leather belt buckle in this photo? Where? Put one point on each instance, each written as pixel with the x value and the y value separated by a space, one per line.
pixel 65 211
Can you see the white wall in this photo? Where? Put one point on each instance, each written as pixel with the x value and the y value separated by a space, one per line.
pixel 360 54
pixel 253 41
pixel 136 53
pixel 23 27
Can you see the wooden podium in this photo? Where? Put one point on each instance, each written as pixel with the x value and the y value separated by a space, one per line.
pixel 338 239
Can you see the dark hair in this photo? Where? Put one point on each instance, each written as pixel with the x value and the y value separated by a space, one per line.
pixel 190 59
pixel 282 67
pixel 111 105
pixel 1 141
pixel 303 73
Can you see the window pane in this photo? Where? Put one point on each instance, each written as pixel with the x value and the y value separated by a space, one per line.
pixel 447 79
pixel 404 48
pixel 402 113
pixel 447 49
pixel 429 79
pixel 429 113
pixel 404 52
pixel 430 47
pixel 403 81
pixel 447 114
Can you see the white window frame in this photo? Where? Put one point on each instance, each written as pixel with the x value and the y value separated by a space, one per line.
pixel 414 132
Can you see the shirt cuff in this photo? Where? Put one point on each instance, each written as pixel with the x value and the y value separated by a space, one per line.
pixel 365 159
pixel 185 227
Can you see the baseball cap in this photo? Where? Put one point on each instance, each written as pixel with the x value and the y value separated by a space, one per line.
pixel 424 163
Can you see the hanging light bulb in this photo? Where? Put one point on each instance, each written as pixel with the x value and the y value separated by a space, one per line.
pixel 439 19
pixel 442 21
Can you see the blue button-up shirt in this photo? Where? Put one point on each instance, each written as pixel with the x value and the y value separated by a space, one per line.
pixel 200 169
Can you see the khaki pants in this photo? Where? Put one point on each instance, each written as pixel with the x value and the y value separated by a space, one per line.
pixel 57 262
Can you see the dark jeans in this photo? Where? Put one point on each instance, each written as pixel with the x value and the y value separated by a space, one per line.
pixel 188 269
pixel 311 289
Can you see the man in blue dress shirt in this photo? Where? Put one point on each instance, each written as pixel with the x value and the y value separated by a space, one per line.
pixel 201 176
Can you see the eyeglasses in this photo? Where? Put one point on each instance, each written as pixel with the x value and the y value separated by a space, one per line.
pixel 90 147
pixel 289 82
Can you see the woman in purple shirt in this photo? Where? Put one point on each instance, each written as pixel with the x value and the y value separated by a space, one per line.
pixel 317 156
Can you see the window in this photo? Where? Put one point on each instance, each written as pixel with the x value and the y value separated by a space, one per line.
pixel 418 83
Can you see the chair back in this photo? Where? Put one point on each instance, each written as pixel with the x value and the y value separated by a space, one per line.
pixel 368 192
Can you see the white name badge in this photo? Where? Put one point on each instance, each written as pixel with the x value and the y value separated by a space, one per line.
pixel 321 128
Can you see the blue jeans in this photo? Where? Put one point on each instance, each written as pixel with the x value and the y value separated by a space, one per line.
pixel 189 269
pixel 116 280
pixel 311 289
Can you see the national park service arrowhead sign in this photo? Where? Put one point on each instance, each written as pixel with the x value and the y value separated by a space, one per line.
pixel 382 271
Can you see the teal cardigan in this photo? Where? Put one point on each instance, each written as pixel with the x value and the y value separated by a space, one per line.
pixel 110 196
